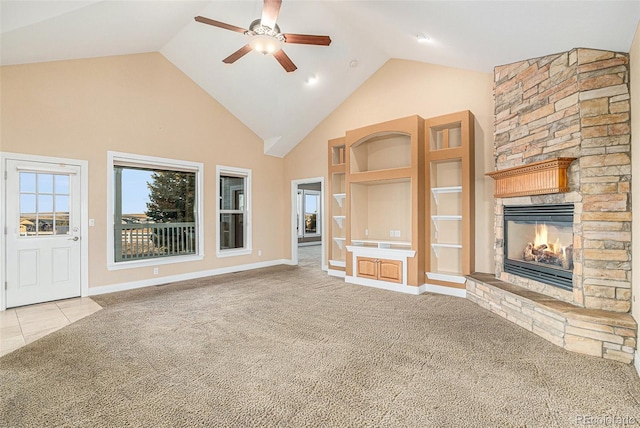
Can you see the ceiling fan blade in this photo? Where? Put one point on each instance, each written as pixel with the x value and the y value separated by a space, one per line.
pixel 270 12
pixel 307 39
pixel 285 61
pixel 237 54
pixel 220 24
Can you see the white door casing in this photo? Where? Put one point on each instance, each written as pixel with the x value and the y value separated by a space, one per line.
pixel 44 227
pixel 294 218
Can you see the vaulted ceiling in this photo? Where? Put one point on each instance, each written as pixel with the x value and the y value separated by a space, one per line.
pixel 282 108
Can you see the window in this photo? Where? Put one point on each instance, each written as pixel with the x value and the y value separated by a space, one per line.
pixel 44 204
pixel 155 211
pixel 234 215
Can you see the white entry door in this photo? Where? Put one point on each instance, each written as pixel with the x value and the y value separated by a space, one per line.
pixel 43 232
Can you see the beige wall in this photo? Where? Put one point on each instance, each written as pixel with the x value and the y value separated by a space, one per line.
pixel 634 77
pixel 138 104
pixel 403 88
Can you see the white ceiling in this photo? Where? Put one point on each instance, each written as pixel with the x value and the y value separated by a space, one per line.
pixel 278 106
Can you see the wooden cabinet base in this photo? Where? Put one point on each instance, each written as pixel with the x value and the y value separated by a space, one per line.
pixel 379 269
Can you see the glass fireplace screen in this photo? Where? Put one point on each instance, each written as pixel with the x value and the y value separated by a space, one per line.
pixel 539 243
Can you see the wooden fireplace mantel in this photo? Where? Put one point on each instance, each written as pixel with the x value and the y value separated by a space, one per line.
pixel 539 178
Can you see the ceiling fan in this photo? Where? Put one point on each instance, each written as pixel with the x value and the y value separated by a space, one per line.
pixel 265 36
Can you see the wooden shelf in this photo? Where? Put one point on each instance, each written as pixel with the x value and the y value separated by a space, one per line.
pixel 539 178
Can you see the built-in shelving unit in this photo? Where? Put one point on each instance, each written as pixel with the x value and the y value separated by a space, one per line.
pixel 384 223
pixel 402 204
pixel 449 165
pixel 337 207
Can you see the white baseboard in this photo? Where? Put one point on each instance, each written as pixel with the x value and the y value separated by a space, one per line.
pixel 94 291
pixel 636 361
pixel 409 289
pixel 336 273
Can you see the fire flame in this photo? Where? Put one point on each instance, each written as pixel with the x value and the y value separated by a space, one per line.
pixel 542 235
pixel 542 238
pixel 543 251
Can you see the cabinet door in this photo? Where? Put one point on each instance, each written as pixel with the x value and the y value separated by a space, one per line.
pixel 390 270
pixel 366 267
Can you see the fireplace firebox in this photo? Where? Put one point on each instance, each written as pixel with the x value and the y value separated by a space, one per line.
pixel 539 243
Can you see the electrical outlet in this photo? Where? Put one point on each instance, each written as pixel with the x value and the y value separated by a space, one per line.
pixel 92 222
pixel 397 233
pixel 259 253
pixel 392 233
pixel 156 271
pixel 366 232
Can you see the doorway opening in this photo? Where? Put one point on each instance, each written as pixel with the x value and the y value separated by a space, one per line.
pixel 307 231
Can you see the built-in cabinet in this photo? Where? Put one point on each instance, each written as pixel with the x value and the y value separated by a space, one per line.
pixel 379 269
pixel 400 202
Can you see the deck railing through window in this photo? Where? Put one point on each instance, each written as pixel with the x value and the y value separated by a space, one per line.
pixel 153 240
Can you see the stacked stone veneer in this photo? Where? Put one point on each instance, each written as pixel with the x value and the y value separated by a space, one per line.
pixel 610 335
pixel 572 104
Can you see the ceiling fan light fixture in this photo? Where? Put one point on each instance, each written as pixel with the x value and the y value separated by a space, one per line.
pixel 265 44
pixel 423 38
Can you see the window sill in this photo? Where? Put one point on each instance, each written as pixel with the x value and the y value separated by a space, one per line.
pixel 153 262
pixel 232 253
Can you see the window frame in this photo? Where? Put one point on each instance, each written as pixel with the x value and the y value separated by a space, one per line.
pixel 143 161
pixel 246 174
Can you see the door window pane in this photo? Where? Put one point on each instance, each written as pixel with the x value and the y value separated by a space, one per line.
pixel 62 204
pixel 44 204
pixel 45 183
pixel 62 184
pixel 27 182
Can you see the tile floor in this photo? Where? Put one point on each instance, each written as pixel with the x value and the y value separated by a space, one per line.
pixel 21 326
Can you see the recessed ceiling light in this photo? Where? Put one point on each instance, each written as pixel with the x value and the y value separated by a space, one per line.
pixel 353 63
pixel 312 80
pixel 423 38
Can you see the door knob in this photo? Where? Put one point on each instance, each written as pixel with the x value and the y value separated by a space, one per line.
pixel 75 238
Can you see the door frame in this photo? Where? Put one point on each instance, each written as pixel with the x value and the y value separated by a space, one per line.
pixel 294 223
pixel 84 216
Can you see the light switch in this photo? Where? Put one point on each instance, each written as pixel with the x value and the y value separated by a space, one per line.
pixel 92 222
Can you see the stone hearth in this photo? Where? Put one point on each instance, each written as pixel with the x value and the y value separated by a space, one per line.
pixel 573 104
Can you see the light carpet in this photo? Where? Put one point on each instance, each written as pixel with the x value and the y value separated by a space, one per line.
pixel 290 346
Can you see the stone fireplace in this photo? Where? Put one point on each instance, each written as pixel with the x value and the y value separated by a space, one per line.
pixel 573 107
